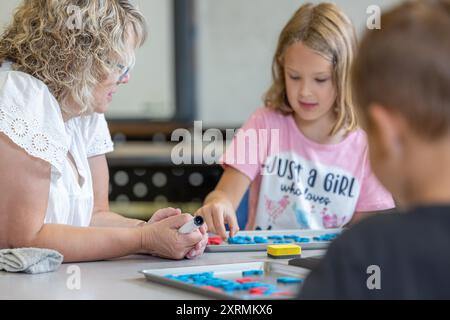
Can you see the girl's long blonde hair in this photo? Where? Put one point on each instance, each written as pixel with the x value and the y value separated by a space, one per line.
pixel 327 30
pixel 72 61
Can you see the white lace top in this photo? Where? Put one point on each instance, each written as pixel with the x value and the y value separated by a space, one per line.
pixel 31 117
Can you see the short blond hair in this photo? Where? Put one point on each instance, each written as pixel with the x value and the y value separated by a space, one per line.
pixel 325 29
pixel 405 67
pixel 72 61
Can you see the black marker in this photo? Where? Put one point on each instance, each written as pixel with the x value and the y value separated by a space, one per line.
pixel 192 225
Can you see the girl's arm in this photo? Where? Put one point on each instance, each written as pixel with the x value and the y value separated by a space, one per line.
pixel 24 190
pixel 220 205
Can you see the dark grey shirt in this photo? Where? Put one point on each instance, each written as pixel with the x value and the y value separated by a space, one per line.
pixel 406 255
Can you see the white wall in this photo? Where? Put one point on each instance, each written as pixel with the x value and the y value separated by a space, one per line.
pixel 150 92
pixel 6 9
pixel 236 43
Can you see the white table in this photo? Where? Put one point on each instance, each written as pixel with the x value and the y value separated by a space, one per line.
pixel 116 279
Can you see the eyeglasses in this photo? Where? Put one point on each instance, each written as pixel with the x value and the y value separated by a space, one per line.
pixel 124 71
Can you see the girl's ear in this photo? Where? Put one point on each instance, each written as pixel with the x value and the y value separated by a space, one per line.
pixel 386 131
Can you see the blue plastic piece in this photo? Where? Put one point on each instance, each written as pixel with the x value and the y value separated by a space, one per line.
pixel 229 289
pixel 301 240
pixel 250 273
pixel 207 274
pixel 326 237
pixel 289 280
pixel 260 240
pixel 183 278
pixel 232 286
pixel 241 240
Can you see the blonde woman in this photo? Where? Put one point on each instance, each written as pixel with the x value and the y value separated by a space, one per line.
pixel 56 81
pixel 311 169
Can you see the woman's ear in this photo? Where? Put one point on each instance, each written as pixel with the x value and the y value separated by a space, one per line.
pixel 386 131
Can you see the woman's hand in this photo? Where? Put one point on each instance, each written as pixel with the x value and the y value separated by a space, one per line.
pixel 163 214
pixel 201 246
pixel 170 212
pixel 162 238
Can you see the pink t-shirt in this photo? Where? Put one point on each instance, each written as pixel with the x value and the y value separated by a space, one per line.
pixel 301 184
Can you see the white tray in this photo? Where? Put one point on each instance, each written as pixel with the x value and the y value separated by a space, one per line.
pixel 232 271
pixel 312 245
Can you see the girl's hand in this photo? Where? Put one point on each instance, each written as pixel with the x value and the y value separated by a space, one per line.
pixel 217 213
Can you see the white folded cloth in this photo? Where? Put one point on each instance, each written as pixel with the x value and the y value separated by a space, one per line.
pixel 30 260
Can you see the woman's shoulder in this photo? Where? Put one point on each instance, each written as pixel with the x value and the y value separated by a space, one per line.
pixel 24 93
pixel 31 118
pixel 23 90
pixel 13 81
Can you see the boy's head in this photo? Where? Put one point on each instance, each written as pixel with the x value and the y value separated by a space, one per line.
pixel 312 64
pixel 401 79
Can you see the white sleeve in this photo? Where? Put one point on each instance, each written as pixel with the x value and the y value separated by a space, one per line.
pixel 31 117
pixel 96 135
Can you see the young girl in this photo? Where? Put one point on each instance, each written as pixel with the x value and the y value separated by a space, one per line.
pixel 311 169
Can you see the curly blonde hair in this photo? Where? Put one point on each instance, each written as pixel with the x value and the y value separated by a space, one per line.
pixel 327 30
pixel 72 61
